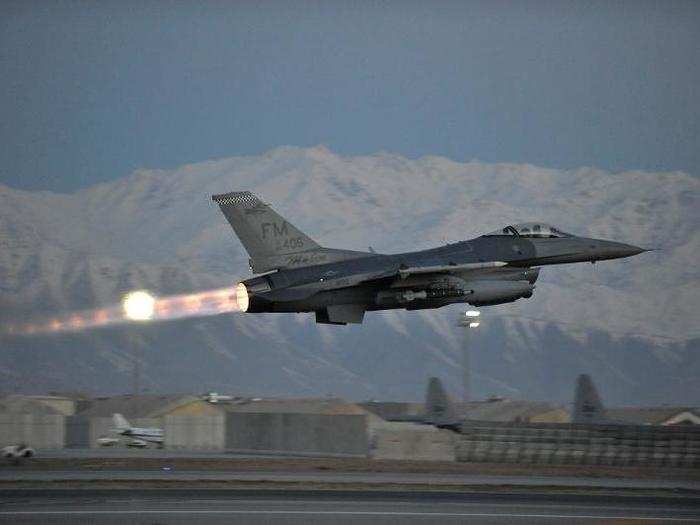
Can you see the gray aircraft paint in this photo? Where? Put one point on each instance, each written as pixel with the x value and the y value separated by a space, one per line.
pixel 438 408
pixel 588 407
pixel 339 286
pixel 271 241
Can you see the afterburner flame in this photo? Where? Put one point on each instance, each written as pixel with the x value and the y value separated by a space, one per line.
pixel 242 297
pixel 141 306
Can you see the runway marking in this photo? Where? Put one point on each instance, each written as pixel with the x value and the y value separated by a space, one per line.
pixel 409 503
pixel 415 503
pixel 342 513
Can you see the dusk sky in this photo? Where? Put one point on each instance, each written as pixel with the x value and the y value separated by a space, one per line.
pixel 90 91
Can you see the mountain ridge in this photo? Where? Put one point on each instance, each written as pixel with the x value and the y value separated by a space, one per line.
pixel 158 229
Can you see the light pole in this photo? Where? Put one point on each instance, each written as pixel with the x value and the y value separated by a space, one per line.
pixel 138 306
pixel 470 320
pixel 137 364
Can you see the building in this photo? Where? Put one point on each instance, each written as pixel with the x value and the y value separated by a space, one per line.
pixel 148 406
pixel 494 409
pixel 655 415
pixel 514 411
pixel 24 419
pixel 394 410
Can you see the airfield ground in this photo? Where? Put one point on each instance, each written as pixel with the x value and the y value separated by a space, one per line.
pixel 156 470
pixel 152 459
pixel 161 486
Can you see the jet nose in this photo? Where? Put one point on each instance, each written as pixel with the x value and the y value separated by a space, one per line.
pixel 617 250
pixel 636 250
pixel 628 250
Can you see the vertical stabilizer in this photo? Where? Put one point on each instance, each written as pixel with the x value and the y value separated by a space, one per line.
pixel 588 408
pixel 438 409
pixel 266 236
pixel 272 242
pixel 120 422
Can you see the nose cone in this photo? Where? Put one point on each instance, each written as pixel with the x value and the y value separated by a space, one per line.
pixel 616 250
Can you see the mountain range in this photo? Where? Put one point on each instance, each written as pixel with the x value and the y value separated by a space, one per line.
pixel 632 324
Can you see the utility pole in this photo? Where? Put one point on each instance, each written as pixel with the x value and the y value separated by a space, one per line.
pixel 136 369
pixel 466 369
pixel 469 321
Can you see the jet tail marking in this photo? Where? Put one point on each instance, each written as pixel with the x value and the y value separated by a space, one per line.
pixel 271 241
pixel 264 233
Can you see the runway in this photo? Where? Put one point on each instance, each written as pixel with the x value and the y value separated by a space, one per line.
pixel 338 507
pixel 169 474
pixel 125 453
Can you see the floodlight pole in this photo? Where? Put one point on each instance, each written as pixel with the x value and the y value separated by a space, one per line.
pixel 466 386
pixel 137 366
pixel 469 321
pixel 136 362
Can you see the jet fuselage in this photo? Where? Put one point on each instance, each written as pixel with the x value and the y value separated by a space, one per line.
pixel 334 283
pixel 340 285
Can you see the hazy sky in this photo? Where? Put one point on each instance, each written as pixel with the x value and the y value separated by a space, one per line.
pixel 91 90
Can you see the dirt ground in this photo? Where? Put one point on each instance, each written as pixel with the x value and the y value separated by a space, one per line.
pixel 355 465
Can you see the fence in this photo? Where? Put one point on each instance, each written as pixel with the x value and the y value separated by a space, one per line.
pixel 579 444
pixel 412 442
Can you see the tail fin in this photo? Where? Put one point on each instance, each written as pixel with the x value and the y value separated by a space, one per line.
pixel 588 408
pixel 120 422
pixel 264 233
pixel 271 241
pixel 438 409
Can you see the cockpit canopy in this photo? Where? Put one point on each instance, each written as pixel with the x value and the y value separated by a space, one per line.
pixel 530 229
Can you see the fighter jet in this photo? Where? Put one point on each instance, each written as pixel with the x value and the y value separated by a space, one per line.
pixel 296 274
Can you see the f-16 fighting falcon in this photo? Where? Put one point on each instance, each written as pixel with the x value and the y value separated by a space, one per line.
pixel 298 275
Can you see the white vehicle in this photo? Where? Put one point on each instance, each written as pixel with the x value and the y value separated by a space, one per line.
pixel 146 435
pixel 18 452
pixel 215 397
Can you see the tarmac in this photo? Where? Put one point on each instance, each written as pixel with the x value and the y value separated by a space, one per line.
pixel 336 478
pixel 122 452
pixel 150 506
pixel 164 486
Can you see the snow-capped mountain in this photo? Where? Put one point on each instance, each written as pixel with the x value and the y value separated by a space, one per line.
pixel 631 323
